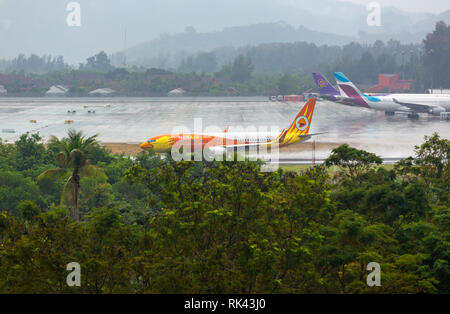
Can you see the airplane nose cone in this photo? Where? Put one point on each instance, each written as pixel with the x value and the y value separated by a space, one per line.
pixel 146 145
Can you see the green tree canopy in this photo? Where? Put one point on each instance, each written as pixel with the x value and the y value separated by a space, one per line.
pixel 73 156
pixel 354 161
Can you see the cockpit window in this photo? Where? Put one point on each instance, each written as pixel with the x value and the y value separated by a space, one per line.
pixel 151 141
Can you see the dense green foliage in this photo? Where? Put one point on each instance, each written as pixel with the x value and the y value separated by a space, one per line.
pixel 437 54
pixel 152 225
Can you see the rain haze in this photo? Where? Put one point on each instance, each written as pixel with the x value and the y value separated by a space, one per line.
pixel 148 47
pixel 242 155
pixel 40 27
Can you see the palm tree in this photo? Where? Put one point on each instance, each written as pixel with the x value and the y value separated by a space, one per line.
pixel 72 157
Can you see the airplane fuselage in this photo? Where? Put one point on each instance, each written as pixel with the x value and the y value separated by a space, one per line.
pixel 225 141
pixel 164 143
pixel 393 102
pixel 411 103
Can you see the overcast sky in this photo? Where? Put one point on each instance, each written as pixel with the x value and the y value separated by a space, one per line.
pixel 40 26
pixel 432 6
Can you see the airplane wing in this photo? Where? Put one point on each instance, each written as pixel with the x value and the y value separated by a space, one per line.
pixel 331 97
pixel 414 107
pixel 312 134
pixel 343 100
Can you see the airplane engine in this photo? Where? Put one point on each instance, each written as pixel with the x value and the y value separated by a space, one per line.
pixel 212 152
pixel 437 111
pixel 218 150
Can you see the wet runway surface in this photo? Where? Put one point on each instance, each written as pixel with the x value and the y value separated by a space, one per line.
pixel 135 120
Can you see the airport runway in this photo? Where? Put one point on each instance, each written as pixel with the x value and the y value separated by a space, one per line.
pixel 133 120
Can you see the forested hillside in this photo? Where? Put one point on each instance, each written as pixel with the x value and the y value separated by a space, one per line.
pixel 157 226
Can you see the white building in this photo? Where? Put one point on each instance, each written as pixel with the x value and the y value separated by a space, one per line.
pixel 3 90
pixel 102 92
pixel 439 91
pixel 57 90
pixel 177 92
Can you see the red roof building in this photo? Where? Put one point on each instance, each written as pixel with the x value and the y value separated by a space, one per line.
pixel 293 98
pixel 390 83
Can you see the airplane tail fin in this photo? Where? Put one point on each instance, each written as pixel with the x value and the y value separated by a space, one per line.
pixel 301 124
pixel 324 86
pixel 350 90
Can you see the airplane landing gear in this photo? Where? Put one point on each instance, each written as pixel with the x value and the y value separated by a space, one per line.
pixel 413 116
pixel 389 113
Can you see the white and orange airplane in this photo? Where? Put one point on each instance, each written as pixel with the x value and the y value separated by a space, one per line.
pixel 220 143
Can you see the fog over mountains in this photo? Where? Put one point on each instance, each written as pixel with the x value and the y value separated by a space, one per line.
pixel 156 27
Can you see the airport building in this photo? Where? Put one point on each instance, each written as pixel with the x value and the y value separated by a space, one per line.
pixel 390 83
pixel 57 90
pixel 439 91
pixel 102 92
pixel 176 92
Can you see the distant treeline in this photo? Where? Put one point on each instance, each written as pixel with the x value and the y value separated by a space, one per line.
pixel 259 70
pixel 423 63
pixel 34 64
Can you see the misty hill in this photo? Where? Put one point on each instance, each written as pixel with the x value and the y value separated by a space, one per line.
pixel 396 24
pixel 40 26
pixel 168 50
pixel 303 57
pixel 413 30
pixel 429 23
pixel 161 51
